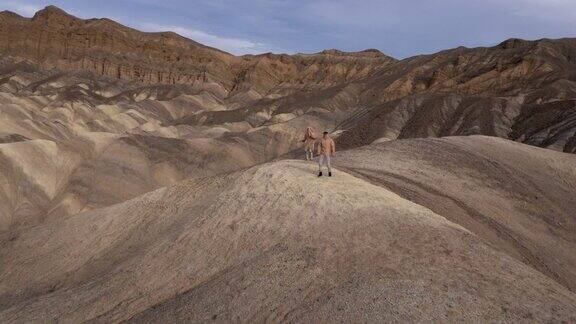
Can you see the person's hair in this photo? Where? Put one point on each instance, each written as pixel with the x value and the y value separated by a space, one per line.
pixel 325 133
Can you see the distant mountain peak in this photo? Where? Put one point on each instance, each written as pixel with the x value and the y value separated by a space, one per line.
pixel 513 43
pixel 51 12
pixel 8 13
pixel 52 9
pixel 364 53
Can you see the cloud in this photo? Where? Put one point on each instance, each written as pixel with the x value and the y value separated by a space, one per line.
pixel 399 28
pixel 236 46
pixel 23 9
pixel 358 14
pixel 558 11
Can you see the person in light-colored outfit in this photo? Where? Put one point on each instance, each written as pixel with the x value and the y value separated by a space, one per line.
pixel 326 149
pixel 309 139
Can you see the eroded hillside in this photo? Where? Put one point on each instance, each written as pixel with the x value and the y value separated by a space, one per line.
pixel 275 243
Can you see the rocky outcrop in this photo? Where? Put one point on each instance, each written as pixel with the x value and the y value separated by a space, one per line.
pixel 103 47
pixel 56 39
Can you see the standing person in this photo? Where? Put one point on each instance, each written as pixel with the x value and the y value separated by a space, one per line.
pixel 309 139
pixel 326 149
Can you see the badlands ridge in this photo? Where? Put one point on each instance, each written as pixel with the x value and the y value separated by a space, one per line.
pixel 145 177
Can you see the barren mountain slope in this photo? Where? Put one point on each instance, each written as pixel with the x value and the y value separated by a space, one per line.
pixel 71 142
pixel 501 91
pixel 511 91
pixel 81 136
pixel 112 106
pixel 54 38
pixel 276 243
pixel 40 179
pixel 498 91
pixel 518 198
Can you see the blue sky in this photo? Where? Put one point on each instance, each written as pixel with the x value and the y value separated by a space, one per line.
pixel 400 28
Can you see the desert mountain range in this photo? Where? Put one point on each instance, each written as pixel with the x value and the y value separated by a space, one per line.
pixel 146 177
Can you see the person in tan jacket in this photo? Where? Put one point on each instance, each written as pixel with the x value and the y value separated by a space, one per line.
pixel 326 149
pixel 309 139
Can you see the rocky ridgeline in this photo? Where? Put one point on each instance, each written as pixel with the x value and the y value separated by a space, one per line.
pixel 56 39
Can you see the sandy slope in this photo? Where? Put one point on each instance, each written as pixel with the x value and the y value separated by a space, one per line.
pixel 519 198
pixel 41 179
pixel 65 149
pixel 271 243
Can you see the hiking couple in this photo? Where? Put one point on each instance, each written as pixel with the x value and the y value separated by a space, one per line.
pixel 326 149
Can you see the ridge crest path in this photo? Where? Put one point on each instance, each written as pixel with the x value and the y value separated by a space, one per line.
pixel 269 243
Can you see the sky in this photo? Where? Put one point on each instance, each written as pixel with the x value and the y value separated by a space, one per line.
pixel 399 28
